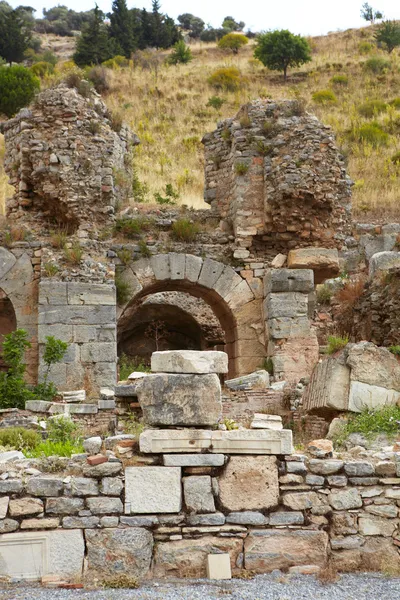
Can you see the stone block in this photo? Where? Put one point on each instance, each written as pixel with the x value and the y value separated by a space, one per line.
pixel 193 266
pixel 8 525
pixel 32 555
pixel 288 280
pixel 198 494
pixel 11 456
pixel 113 551
pixel 38 406
pixel 325 467
pixel 371 525
pixel 111 486
pixel 64 506
pixel 219 566
pixel 177 265
pixel 92 445
pixel 323 261
pixel 256 380
pixel 160 266
pixel 91 294
pixel 53 293
pixel 382 262
pixel 148 521
pixel 363 395
pixel 174 399
pixel 373 365
pixel 44 486
pixel 345 499
pixel 105 506
pixel 247 517
pixel 11 486
pixel 285 518
pixel 189 361
pixel 106 405
pixel 76 315
pixel 155 441
pixel 210 273
pixel 288 327
pixel 22 507
pixel 4 501
pixel 193 460
pixel 49 523
pixel 84 486
pixel 80 522
pixel 107 469
pixel 208 519
pixel 239 296
pixel 227 281
pixel 116 440
pixel 99 352
pixel 266 550
pixel 359 468
pixel 7 261
pixel 153 490
pixel 249 483
pixel 301 500
pixel 61 332
pixel 249 441
pixel 286 304
pixel 263 421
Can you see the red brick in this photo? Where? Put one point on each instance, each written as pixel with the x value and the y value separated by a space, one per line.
pixel 96 460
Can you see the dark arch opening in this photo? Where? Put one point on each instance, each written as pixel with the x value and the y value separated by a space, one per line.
pixel 8 322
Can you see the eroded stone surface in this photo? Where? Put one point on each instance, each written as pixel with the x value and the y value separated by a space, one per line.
pixel 189 361
pixel 152 490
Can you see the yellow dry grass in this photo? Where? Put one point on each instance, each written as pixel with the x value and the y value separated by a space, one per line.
pixel 168 110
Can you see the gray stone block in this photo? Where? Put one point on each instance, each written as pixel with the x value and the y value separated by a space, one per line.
pixel 288 280
pixel 286 327
pixel 52 293
pixel 177 265
pixel 107 469
pixel 247 517
pixel 44 486
pixel 286 518
pixel 193 266
pixel 198 494
pixel 189 362
pixel 111 486
pixel 160 266
pixel 148 521
pixel 112 441
pixel 38 406
pixel 76 315
pixel 153 490
pixel 11 486
pixel 91 294
pixel 109 521
pixel 83 333
pixel 105 506
pixel 84 486
pixel 74 409
pixel 80 522
pixel 99 352
pixel 126 391
pixel 62 332
pixel 286 304
pixel 7 261
pixel 227 281
pixel 210 272
pixel 64 506
pixel 204 520
pixel 193 460
pixel 106 404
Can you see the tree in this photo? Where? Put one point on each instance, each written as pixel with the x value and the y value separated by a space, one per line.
pixel 121 29
pixel 370 14
pixel 193 24
pixel 279 50
pixel 15 36
pixel 180 54
pixel 230 24
pixel 388 34
pixel 233 41
pixel 18 86
pixel 93 45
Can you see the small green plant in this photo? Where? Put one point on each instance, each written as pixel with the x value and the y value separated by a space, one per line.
pixel 377 64
pixel 125 256
pixel 394 350
pixel 181 54
pixel 133 426
pixel 226 78
pixel 184 230
pixel 129 364
pixel 94 127
pixel 268 365
pixel 123 289
pixel 263 148
pixel 226 134
pixel 230 424
pixel 371 108
pixel 50 269
pixel 42 69
pixel 395 103
pixel 144 249
pixel 396 158
pixel 372 422
pixel 216 102
pixel 324 294
pixel 18 438
pixel 170 195
pixel 62 429
pixel 365 47
pixel 139 189
pixel 132 227
pixel 241 168
pixel 73 255
pixel 336 343
pixel 54 352
pixel 324 97
pixel 13 389
pixel 48 448
pixel 121 581
pixel 340 80
pixel 58 239
pixel 372 133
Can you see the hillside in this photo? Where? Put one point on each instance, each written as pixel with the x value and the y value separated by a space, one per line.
pixel 168 108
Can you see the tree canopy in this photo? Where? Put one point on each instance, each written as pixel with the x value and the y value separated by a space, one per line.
pixel 279 50
pixel 15 35
pixel 233 41
pixel 388 35
pixel 370 14
pixel 93 46
pixel 230 24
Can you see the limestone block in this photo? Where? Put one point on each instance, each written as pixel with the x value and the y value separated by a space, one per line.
pixel 288 280
pixel 32 555
pixel 325 467
pixel 263 421
pixel 210 273
pixel 247 517
pixel 105 506
pixel 198 494
pixel 288 327
pixel 296 357
pixel 323 261
pixel 160 266
pixel 252 441
pixel 345 499
pixel 4 501
pixel 189 362
pixel 112 551
pixel 279 261
pixel 99 352
pixel 7 261
pixel 227 281
pixel 92 445
pixel 44 486
pixel 37 406
pixel 91 293
pixel 193 460
pixel 80 522
pixel 219 566
pixel 363 395
pixel 107 469
pixel 359 468
pixel 25 507
pixel 76 315
pixel 11 486
pixel 249 483
pixel 385 510
pixel 188 557
pixel 286 518
pixel 266 550
pixel 65 333
pixel 153 490
pixel 72 409
pixel 64 506
pixel 239 296
pixel 383 261
pixel 177 265
pixel 301 500
pixel 111 486
pixel 371 525
pixel 256 380
pixel 320 448
pixel 52 292
pixel 8 525
pixel 84 486
pixel 174 399
pixel 11 456
pixel 373 365
pixel 329 386
pixel 193 266
pixel 174 440
pixel 286 304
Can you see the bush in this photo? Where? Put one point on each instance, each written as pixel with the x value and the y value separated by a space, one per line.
pixel 184 230
pixel 48 448
pixel 241 168
pixel 371 108
pixel 377 64
pixel 54 352
pixel 340 80
pixel 132 227
pixel 226 78
pixel 324 294
pixel 395 103
pixel 62 429
pixel 365 47
pixel 99 77
pixel 216 102
pixel 233 41
pixel 73 255
pixel 13 389
pixel 181 54
pixel 396 158
pixel 18 86
pixel 116 62
pixel 336 343
pixel 19 438
pixel 372 133
pixel 324 97
pixel 394 350
pixel 372 422
pixel 128 364
pixel 42 69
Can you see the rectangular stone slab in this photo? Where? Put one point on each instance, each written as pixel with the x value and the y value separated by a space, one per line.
pixel 189 361
pixel 193 460
pixel 152 490
pixel 153 441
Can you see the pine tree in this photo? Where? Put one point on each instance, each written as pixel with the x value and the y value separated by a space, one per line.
pixel 14 36
pixel 93 46
pixel 157 25
pixel 121 29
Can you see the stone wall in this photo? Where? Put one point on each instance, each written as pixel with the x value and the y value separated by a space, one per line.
pixel 276 179
pixel 164 515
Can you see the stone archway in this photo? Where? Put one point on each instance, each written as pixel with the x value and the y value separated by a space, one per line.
pixel 227 293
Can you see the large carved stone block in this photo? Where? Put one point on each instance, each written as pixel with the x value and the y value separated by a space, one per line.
pixel 150 490
pixel 249 483
pixel 189 361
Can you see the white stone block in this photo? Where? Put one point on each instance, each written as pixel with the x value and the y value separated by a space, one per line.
pixel 11 455
pixel 4 506
pixel 219 566
pixel 137 375
pixel 34 554
pixel 189 361
pixel 363 395
pixel 174 440
pixel 248 441
pixel 151 490
pixel 193 460
pixel 261 421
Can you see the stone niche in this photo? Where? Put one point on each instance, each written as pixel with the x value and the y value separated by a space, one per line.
pixel 276 178
pixel 62 155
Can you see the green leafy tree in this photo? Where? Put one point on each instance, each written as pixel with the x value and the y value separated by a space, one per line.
pixel 181 54
pixel 54 352
pixel 18 86
pixel 93 46
pixel 121 29
pixel 13 390
pixel 370 14
pixel 388 35
pixel 233 41
pixel 15 36
pixel 193 24
pixel 279 50
pixel 230 24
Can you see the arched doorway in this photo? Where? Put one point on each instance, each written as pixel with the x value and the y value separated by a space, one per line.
pixel 8 322
pixel 227 294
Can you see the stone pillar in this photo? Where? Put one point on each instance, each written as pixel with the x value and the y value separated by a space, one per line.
pixel 84 315
pixel 292 344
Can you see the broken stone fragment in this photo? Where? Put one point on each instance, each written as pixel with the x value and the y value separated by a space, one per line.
pixel 189 361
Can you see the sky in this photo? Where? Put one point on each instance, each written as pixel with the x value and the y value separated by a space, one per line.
pixel 306 17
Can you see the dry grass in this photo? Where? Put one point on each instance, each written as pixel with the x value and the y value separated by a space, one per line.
pixel 168 109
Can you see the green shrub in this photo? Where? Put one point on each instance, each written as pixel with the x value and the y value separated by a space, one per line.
pixel 324 294
pixel 18 86
pixel 396 158
pixel 184 230
pixel 62 429
pixel 181 54
pixel 42 69
pixel 129 364
pixel 241 168
pixel 365 47
pixel 395 349
pixel 324 97
pixel 336 343
pixel 215 102
pixel 340 80
pixel 48 448
pixel 233 41
pixel 116 62
pixel 54 352
pixel 395 103
pixel 13 389
pixel 99 77
pixel 226 78
pixel 19 438
pixel 125 256
pixel 372 133
pixel 170 194
pixel 372 422
pixel 144 249
pixel 377 64
pixel 371 108
pixel 132 227
pixel 73 255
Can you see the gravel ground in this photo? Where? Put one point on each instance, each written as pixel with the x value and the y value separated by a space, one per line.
pixel 263 587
